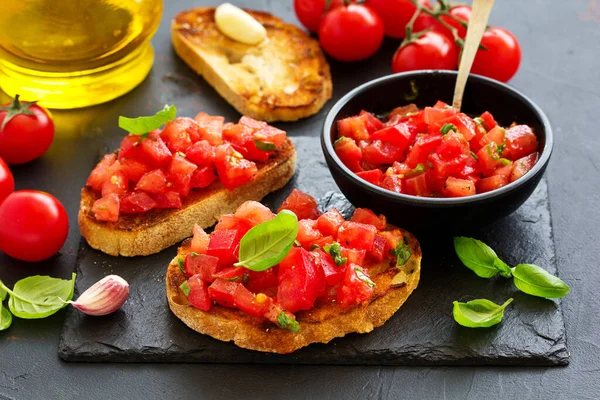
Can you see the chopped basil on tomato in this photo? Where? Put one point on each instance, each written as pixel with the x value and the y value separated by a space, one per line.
pixel 447 128
pixel 335 251
pixel 264 146
pixel 180 264
pixel 284 321
pixel 185 288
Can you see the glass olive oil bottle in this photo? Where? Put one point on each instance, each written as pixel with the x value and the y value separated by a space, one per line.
pixel 75 53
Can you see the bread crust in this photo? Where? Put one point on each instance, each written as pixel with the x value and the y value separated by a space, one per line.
pixel 285 78
pixel 321 324
pixel 151 232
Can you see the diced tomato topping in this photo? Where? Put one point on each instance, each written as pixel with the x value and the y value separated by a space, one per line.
pixel 301 204
pixel 210 128
pixel 419 152
pixel 353 127
pixel 152 182
pixel 116 183
pixel 504 170
pixel 444 166
pixel 354 256
pixel 248 302
pixel 308 232
pixel 520 142
pixel 222 292
pixel 252 123
pixel 497 135
pixel 333 273
pixel 136 202
pixel 101 173
pixel 201 264
pixel 168 199
pixel 263 281
pixel 330 222
pixel 134 170
pixel 522 166
pixel 178 133
pixel 300 281
pixel 378 152
pixel 349 152
pixel 156 151
pixel 366 216
pixel 455 187
pixel 232 168
pixel 434 114
pixel 417 185
pixel 357 235
pixel 224 245
pixel 201 153
pixel 491 183
pixel 107 208
pixel 203 177
pixel 374 176
pixel 392 239
pixel 227 221
pixel 253 213
pixel 200 240
pixel 400 135
pixel 490 158
pixel 356 287
pixel 324 241
pixel 234 274
pixel 393 183
pixel 377 252
pixel 488 121
pixel 199 293
pixel 372 123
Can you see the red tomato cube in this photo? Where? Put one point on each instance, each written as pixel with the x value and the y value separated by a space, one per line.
pixel 307 232
pixel 371 122
pixel 357 235
pixel 198 296
pixel 366 216
pixel 248 302
pixel 224 245
pixel 455 187
pixel 488 121
pixel 201 264
pixel 107 208
pixel 253 213
pixel 201 153
pixel 393 183
pixel 400 135
pixel 378 152
pixel 222 292
pixel 178 133
pixel 209 128
pixel 490 159
pixel 349 153
pixel 232 168
pixel 417 185
pixel 520 142
pixel 434 114
pixel 354 256
pixel 491 183
pixel 152 182
pixel 100 173
pixel 374 176
pixel 497 135
pixel 168 199
pixel 333 273
pixel 136 202
pixel 300 281
pixel 200 240
pixel 353 127
pixel 330 222
pixel 156 153
pixel 117 183
pixel 377 253
pixel 356 287
pixel 301 204
pixel 522 166
pixel 260 282
pixel 424 144
pixel 203 177
pixel 134 170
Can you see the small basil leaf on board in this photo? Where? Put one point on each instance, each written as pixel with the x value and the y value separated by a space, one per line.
pixel 141 125
pixel 266 244
pixel 480 313
pixel 477 256
pixel 40 296
pixel 264 146
pixel 536 281
pixel 5 318
pixel 503 268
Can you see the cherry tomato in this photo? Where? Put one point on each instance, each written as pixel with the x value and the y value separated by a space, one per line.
pixel 351 33
pixel 502 58
pixel 395 14
pixel 462 12
pixel 27 134
pixel 7 182
pixel 310 12
pixel 431 51
pixel 33 225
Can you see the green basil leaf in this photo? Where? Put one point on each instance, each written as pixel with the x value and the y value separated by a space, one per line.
pixel 40 296
pixel 477 256
pixel 284 321
pixel 447 128
pixel 265 146
pixel 415 171
pixel 503 268
pixel 335 251
pixel 180 264
pixel 480 313
pixel 141 125
pixel 5 318
pixel 185 288
pixel 536 281
pixel 363 277
pixel 402 253
pixel 266 244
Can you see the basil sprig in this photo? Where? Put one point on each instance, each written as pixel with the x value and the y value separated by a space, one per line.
pixel 35 297
pixel 285 322
pixel 335 251
pixel 528 278
pixel 536 281
pixel 143 125
pixel 402 252
pixel 480 313
pixel 264 146
pixel 266 244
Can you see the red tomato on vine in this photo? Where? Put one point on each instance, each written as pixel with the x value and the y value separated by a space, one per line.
pixel 431 50
pixel 502 58
pixel 310 12
pixel 395 14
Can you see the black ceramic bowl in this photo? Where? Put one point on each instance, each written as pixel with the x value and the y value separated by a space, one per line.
pixel 451 215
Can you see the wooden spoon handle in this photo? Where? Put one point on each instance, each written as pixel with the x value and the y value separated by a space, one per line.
pixel 477 25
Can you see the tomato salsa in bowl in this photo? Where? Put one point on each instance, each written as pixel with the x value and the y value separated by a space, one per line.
pixel 423 188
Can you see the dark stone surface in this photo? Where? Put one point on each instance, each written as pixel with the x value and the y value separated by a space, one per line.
pixel 559 71
pixel 423 332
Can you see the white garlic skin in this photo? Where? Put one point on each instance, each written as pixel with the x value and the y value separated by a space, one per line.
pixel 104 297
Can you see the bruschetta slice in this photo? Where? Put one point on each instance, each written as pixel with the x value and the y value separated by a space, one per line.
pixel 339 277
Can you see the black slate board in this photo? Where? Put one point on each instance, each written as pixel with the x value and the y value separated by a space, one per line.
pixel 422 332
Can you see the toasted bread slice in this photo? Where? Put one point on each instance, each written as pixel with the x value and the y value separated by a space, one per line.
pixel 155 230
pixel 320 324
pixel 285 78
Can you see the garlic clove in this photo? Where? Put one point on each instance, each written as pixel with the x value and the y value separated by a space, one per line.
pixel 238 25
pixel 104 297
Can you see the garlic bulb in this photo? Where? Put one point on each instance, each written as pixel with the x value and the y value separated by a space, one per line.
pixel 104 297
